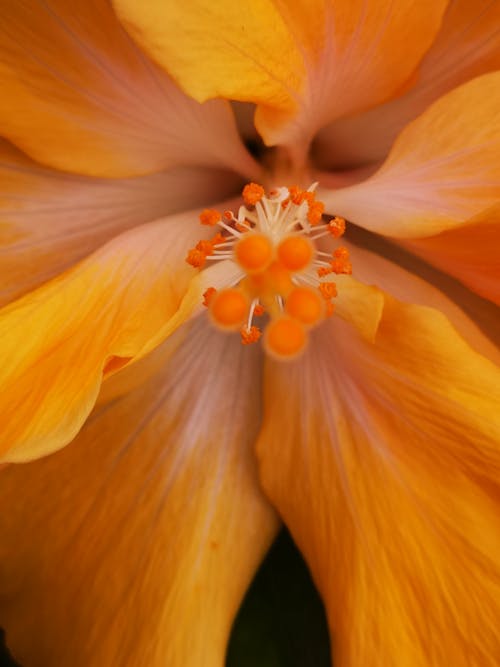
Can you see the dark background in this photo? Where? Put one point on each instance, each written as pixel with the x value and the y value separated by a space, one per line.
pixel 282 621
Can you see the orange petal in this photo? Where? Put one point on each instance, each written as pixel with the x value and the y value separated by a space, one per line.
pixel 111 309
pixel 384 463
pixel 49 220
pixel 79 95
pixel 135 544
pixel 469 252
pixel 442 170
pixel 304 63
pixel 467 45
pixel 475 320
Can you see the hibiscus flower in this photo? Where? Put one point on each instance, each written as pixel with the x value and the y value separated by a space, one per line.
pixel 374 434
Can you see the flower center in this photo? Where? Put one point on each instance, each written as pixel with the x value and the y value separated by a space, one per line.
pixel 273 242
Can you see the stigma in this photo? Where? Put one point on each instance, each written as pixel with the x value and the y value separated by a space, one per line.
pixel 283 276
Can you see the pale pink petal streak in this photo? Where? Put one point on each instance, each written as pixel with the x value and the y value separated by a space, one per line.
pixel 442 170
pixel 89 85
pixel 49 220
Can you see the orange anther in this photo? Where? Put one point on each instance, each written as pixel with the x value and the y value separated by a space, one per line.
pixel 258 310
pixel 306 305
pixel 341 266
pixel 295 252
pixel 218 238
pixel 296 194
pixel 341 263
pixel 208 295
pixel 209 217
pixel 285 337
pixel 324 271
pixel 316 210
pixel 252 193
pixel 196 258
pixel 250 335
pixel 336 227
pixel 206 247
pixel 228 308
pixel 254 252
pixel 328 290
pixel 228 215
pixel 341 252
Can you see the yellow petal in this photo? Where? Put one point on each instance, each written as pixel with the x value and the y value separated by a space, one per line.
pixel 79 95
pixel 467 45
pixel 134 545
pixel 442 170
pixel 304 63
pixel 360 305
pixel 107 311
pixel 384 463
pixel 49 220
pixel 469 252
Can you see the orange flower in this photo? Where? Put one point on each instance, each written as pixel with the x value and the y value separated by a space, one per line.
pixel 377 444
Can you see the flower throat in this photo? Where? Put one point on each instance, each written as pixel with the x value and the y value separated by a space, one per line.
pixel 284 275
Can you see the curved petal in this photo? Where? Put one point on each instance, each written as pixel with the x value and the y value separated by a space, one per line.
pixel 135 544
pixel 360 305
pixel 58 341
pixel 50 220
pixel 79 95
pixel 469 252
pixel 478 329
pixel 384 463
pixel 442 170
pixel 467 46
pixel 304 63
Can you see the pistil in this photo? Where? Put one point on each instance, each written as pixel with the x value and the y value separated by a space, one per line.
pixel 272 240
